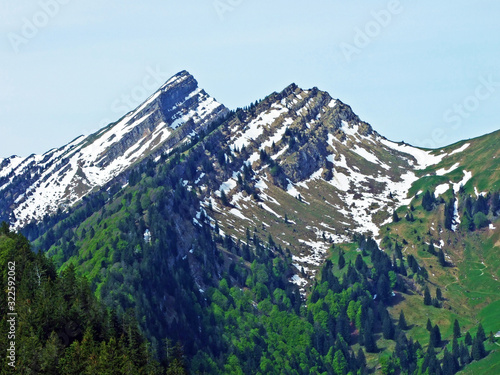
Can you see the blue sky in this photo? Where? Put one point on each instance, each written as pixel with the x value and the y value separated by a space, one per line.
pixel 424 72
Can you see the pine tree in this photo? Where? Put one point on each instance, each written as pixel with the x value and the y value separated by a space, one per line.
pixel 441 258
pixel 359 262
pixel 341 259
pixel 361 359
pixel 383 288
pixel 435 336
pixel 464 355
pixel 427 297
pixel 388 328
pixel 456 329
pixel 429 325
pixel 439 295
pixel 427 201
pixel 468 339
pixel 369 340
pixel 431 249
pixel 223 198
pixel 480 333
pixel 478 351
pixel 450 366
pixel 402 321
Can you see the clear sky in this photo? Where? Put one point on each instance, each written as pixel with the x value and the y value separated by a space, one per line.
pixel 425 72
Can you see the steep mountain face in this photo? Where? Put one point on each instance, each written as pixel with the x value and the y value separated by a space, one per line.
pixel 303 168
pixel 38 185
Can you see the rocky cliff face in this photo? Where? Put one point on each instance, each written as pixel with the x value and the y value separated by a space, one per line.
pixel 38 185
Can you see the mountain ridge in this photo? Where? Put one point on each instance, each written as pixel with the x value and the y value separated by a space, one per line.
pixel 268 215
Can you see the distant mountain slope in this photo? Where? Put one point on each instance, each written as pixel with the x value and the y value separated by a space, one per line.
pixel 38 185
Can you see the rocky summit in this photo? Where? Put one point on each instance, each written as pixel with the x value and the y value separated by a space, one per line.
pixel 40 185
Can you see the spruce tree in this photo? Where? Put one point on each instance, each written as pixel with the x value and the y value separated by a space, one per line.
pixel 383 288
pixel 478 351
pixel 431 249
pixel 456 329
pixel 464 355
pixel 397 249
pixel 455 349
pixel 223 198
pixel 388 328
pixel 427 201
pixel 402 321
pixel 480 333
pixel 427 297
pixel 439 295
pixel 441 258
pixel 341 259
pixel 468 339
pixel 435 303
pixel 429 325
pixel 435 336
pixel 370 344
pixel 359 262
pixel 450 365
pixel 361 360
pixel 449 210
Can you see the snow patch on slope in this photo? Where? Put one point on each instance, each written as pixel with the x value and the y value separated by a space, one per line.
pixel 465 179
pixel 441 189
pixel 256 127
pixel 443 171
pixel 464 147
pixel 424 158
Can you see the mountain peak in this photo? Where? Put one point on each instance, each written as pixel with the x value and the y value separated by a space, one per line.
pixel 182 77
pixel 39 185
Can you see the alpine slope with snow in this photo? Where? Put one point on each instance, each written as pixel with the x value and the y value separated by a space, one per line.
pixel 299 166
pixel 303 168
pixel 39 185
